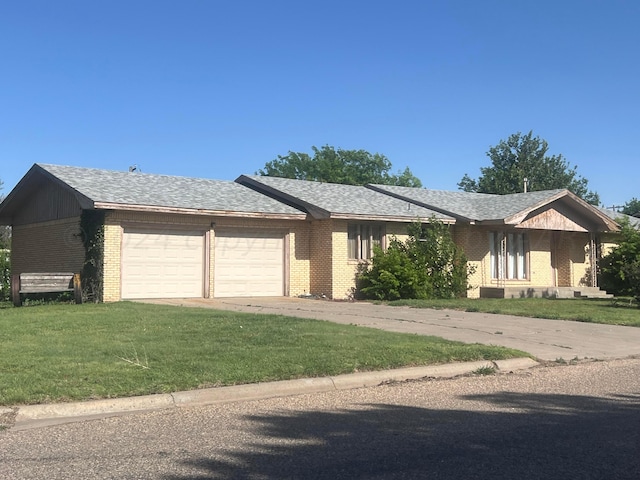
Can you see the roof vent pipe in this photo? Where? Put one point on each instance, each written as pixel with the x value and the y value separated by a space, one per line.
pixel 526 184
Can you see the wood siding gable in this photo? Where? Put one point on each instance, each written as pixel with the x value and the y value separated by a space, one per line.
pixel 551 219
pixel 47 201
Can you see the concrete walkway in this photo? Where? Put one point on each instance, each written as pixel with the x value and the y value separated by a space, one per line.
pixel 547 340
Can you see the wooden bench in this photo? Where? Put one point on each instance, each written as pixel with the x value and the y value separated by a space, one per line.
pixel 25 283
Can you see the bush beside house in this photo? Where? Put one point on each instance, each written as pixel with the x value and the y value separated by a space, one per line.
pixel 5 275
pixel 620 268
pixel 427 265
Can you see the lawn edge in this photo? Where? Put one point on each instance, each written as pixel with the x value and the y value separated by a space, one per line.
pixel 36 416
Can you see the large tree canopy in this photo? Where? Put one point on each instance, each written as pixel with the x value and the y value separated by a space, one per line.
pixel 352 167
pixel 523 157
pixel 632 207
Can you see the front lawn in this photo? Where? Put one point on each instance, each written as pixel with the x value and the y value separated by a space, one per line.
pixel 62 352
pixel 595 310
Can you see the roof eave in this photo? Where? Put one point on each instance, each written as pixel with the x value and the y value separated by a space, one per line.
pixel 200 212
pixel 388 218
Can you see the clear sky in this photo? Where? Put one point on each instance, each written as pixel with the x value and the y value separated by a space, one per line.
pixel 215 89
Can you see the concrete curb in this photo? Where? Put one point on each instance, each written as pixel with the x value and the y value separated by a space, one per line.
pixel 33 416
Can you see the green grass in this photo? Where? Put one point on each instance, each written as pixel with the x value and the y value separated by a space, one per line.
pixel 61 352
pixel 608 311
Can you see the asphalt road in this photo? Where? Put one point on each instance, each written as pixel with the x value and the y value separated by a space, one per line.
pixel 551 422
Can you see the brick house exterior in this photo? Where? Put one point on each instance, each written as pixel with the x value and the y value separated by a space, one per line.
pixel 524 244
pixel 275 236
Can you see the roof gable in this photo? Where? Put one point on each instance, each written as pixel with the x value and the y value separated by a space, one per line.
pixel 107 189
pixel 332 200
pixel 551 219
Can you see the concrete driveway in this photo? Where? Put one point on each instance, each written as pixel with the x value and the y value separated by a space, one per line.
pixel 545 339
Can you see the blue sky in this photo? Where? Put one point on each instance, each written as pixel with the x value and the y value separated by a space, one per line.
pixel 216 89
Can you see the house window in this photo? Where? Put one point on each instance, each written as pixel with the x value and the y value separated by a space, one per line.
pixel 361 239
pixel 509 253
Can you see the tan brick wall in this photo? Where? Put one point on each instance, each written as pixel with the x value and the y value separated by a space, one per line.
pixel 580 259
pixel 300 259
pixel 396 230
pixel 321 258
pixel 111 286
pixel 298 234
pixel 607 242
pixel 53 246
pixel 343 269
pixel 318 262
pixel 540 258
pixel 475 242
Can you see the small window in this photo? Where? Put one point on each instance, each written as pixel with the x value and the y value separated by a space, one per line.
pixel 509 253
pixel 361 238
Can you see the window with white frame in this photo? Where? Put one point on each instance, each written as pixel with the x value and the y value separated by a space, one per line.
pixel 509 255
pixel 361 237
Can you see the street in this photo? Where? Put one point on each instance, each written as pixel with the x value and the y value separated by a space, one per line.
pixel 566 421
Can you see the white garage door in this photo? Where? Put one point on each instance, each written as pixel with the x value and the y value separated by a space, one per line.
pixel 249 264
pixel 167 264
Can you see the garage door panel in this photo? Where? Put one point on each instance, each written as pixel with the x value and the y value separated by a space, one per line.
pixel 159 264
pixel 249 264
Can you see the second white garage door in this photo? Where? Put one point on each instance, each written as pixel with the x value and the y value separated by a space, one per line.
pixel 168 264
pixel 248 264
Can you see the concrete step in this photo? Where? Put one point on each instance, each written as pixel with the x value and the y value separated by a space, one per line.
pixel 592 292
pixel 547 292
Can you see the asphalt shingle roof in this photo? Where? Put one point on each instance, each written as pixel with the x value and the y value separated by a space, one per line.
pixel 134 188
pixel 339 200
pixel 613 215
pixel 472 206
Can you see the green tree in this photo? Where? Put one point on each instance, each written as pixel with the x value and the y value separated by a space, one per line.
pixel 351 167
pixel 523 157
pixel 427 265
pixel 632 207
pixel 620 268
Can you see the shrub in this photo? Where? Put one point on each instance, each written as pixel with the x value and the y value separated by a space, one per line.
pixel 620 268
pixel 5 275
pixel 427 265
